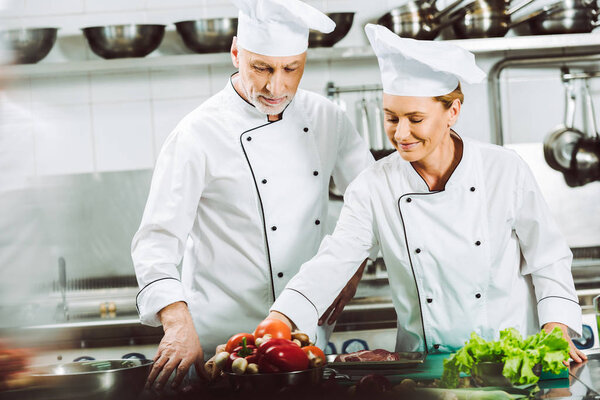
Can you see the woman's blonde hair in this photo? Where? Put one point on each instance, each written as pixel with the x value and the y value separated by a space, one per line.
pixel 449 98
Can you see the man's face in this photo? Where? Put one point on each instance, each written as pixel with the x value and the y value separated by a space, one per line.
pixel 269 83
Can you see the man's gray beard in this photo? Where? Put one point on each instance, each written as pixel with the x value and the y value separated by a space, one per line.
pixel 270 110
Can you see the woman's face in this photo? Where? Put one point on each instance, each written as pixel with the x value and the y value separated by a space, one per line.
pixel 417 125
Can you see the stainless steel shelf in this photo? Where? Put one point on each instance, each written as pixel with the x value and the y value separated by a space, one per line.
pixel 477 46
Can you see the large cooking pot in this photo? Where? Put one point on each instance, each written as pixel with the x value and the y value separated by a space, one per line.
pixel 417 19
pixel 485 18
pixel 561 17
pixel 92 380
pixel 559 144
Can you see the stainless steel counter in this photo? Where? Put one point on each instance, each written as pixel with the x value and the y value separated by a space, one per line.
pixel 583 382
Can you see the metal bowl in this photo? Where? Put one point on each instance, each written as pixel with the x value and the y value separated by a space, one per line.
pixel 275 381
pixel 29 45
pixel 490 374
pixel 92 380
pixel 343 23
pixel 208 35
pixel 121 41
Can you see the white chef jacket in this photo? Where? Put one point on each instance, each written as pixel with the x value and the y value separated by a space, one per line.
pixel 481 255
pixel 244 202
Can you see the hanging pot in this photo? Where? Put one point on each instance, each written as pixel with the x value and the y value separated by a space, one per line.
pixel 585 163
pixel 485 18
pixel 559 144
pixel 585 158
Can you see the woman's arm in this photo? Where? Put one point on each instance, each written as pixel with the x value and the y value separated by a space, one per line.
pixel 547 258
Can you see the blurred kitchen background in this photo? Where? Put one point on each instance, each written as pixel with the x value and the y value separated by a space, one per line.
pixel 79 136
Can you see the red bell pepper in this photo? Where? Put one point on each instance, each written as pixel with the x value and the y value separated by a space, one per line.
pixel 249 352
pixel 281 355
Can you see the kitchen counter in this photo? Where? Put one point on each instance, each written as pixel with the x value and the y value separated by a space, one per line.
pixel 583 383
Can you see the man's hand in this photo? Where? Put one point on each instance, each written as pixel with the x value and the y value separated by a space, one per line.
pixel 178 349
pixel 347 293
pixel 574 352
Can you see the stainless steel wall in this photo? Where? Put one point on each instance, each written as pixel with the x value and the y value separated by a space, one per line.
pixel 89 219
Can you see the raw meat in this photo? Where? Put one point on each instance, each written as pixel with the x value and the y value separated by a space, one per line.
pixel 368 355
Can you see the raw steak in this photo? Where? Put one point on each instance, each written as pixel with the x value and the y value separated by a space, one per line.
pixel 368 355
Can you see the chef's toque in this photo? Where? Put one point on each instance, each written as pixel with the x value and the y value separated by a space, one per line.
pixel 278 28
pixel 424 68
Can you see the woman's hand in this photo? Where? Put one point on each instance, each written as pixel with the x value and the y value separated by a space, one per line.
pixel 576 354
pixel 281 317
pixel 347 293
pixel 178 349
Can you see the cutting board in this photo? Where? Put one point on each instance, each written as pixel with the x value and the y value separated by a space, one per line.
pixel 431 369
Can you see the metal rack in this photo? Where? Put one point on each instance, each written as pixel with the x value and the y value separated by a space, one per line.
pixel 377 138
pixel 331 90
pixel 558 62
pixel 581 75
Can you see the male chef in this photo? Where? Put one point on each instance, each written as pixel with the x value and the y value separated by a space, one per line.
pixel 240 192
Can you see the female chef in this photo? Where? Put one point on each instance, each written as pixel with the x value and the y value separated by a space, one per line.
pixel 466 236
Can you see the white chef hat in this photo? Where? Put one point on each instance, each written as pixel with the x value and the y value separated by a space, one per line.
pixel 425 68
pixel 278 28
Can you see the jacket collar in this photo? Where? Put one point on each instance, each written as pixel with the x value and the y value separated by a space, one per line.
pixel 459 178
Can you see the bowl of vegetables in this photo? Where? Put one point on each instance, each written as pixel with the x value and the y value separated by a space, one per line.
pixel 268 360
pixel 508 361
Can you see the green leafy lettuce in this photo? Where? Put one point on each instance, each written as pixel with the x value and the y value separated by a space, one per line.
pixel 518 355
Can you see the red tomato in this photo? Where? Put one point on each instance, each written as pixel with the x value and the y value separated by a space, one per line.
pixel 274 327
pixel 236 340
pixel 316 351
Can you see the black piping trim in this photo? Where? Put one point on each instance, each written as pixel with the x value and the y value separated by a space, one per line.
pixel 316 310
pixel 558 297
pixel 142 289
pixel 411 263
pixel 454 169
pixel 262 210
pixel 307 299
pixel 423 179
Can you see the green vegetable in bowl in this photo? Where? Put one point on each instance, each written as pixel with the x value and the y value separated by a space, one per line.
pixel 518 355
